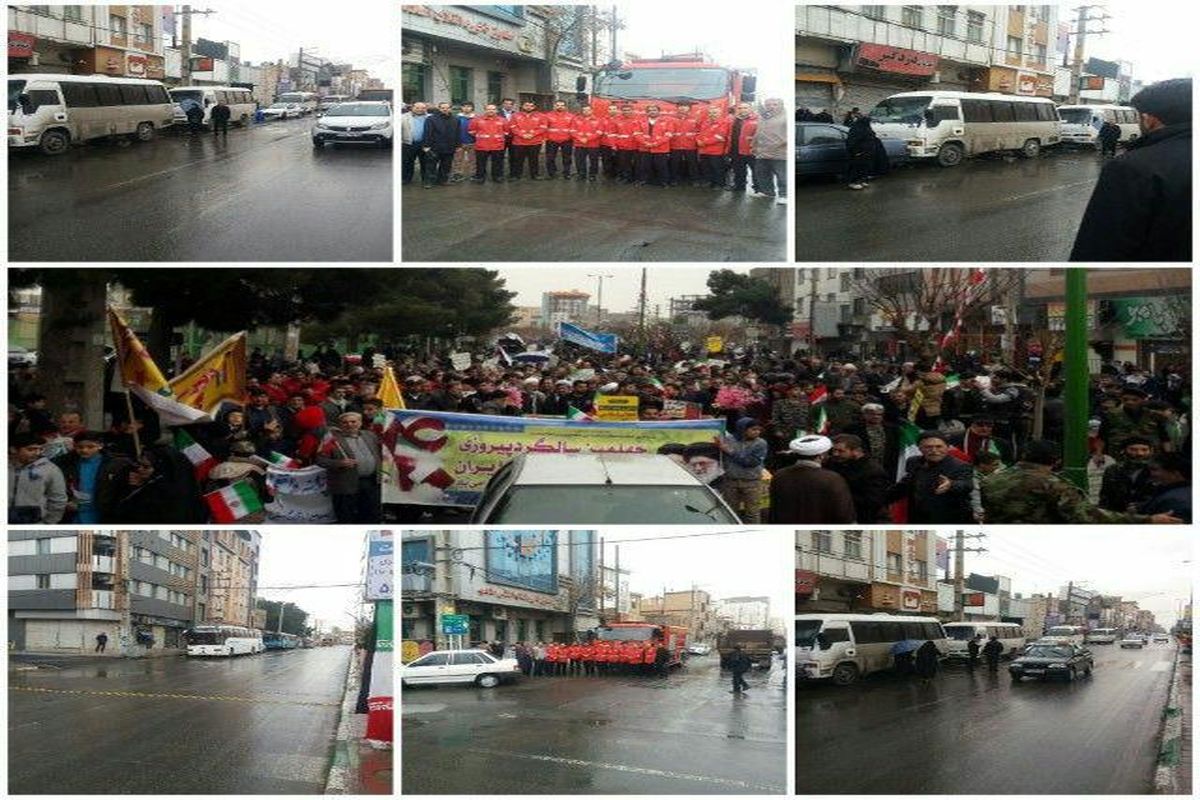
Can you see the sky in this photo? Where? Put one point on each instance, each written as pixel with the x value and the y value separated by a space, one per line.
pixel 750 39
pixel 620 291
pixel 268 30
pixel 1152 564
pixel 1157 48
pixel 741 563
pixel 306 557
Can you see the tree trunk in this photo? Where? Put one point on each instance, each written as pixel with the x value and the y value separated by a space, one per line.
pixel 71 336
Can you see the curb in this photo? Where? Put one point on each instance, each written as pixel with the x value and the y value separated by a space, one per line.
pixel 1170 750
pixel 340 779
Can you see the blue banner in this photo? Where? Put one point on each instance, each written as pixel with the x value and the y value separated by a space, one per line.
pixel 600 342
pixel 525 559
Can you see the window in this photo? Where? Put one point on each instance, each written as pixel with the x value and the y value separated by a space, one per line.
pixel 203 584
pixel 893 563
pixel 1015 46
pixel 73 13
pixel 1045 112
pixel 116 25
pixel 432 660
pixel 466 658
pixel 844 282
pixel 822 541
pixel 975 26
pixel 201 611
pixel 43 581
pixel 945 21
pixel 836 635
pixel 145 34
pixel 1025 112
pixel 495 89
pixel 43 547
pixel 133 95
pixel 874 12
pixel 1002 111
pixel 852 544
pixel 919 570
pixel 204 558
pixel 460 85
pixel 941 113
pixel 864 632
pixel 912 16
pixel 1039 53
pixel 413 80
pixel 822 134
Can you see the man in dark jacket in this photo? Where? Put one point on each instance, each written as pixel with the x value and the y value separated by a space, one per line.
pixel 220 119
pixel 1127 484
pixel 860 151
pixel 1109 135
pixel 1172 476
pixel 867 481
pixel 880 437
pixel 806 492
pixel 739 665
pixel 992 652
pixel 442 139
pixel 936 485
pixel 1141 208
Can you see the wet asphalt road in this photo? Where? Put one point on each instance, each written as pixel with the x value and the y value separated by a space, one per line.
pixel 1001 208
pixel 683 734
pixel 262 194
pixel 278 738
pixel 557 220
pixel 977 733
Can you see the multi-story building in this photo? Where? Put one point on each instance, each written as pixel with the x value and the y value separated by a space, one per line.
pixel 511 586
pixel 568 305
pixel 230 575
pixel 855 56
pixel 67 587
pixel 891 570
pixel 746 613
pixel 123 41
pixel 485 53
pixel 692 609
pixel 614 603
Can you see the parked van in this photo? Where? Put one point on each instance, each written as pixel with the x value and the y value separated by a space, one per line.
pixel 307 101
pixel 1066 633
pixel 240 102
pixel 1011 635
pixel 51 112
pixel 1101 636
pixel 844 647
pixel 1081 123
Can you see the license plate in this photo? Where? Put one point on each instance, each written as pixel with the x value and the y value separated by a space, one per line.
pixel 349 135
pixel 1035 672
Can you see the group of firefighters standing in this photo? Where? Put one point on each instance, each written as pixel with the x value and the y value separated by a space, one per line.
pixel 657 148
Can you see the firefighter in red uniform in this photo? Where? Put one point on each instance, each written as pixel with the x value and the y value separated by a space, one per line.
pixel 741 153
pixel 490 132
pixel 558 140
pixel 627 145
pixel 684 166
pixel 608 143
pixel 712 143
pixel 586 133
pixel 654 142
pixel 528 127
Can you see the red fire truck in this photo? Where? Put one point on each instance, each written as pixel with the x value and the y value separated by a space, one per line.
pixel 637 643
pixel 669 80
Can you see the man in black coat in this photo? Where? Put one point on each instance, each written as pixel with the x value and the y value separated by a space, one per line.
pixel 860 151
pixel 739 665
pixel 936 485
pixel 442 139
pixel 867 481
pixel 1141 208
pixel 880 437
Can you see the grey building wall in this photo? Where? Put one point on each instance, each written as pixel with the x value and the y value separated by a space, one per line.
pixel 41 599
pixel 40 565
pixel 17 536
pixel 160 608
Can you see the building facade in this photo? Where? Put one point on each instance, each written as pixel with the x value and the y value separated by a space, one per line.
pixel 122 41
pixel 230 576
pixel 569 305
pixel 692 609
pixel 867 571
pixel 746 613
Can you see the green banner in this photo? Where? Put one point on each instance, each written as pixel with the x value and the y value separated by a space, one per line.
pixel 1147 317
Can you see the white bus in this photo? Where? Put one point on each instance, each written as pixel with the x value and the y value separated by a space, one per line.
pixel 224 640
pixel 844 647
pixel 50 111
pixel 1011 635
pixel 240 102
pixel 949 126
pixel 306 100
pixel 1101 636
pixel 1072 633
pixel 1081 123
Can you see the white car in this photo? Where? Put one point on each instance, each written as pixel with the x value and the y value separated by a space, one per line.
pixel 354 123
pixel 699 649
pixel 283 110
pixel 20 357
pixel 1133 641
pixel 1162 637
pixel 459 666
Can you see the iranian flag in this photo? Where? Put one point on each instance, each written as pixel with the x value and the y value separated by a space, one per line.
pixel 233 502
pixel 821 421
pixel 952 380
pixel 576 415
pixel 818 396
pixel 906 441
pixel 202 460
pixel 283 462
pixel 380 691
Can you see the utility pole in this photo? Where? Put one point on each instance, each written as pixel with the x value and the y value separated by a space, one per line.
pixel 960 548
pixel 1075 364
pixel 812 311
pixel 185 55
pixel 599 294
pixel 602 581
pixel 1082 18
pixel 613 30
pixel 617 584
pixel 642 312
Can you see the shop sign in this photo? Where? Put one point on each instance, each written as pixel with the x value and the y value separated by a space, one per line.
pixel 883 58
pixel 20 45
pixel 135 65
pixel 806 582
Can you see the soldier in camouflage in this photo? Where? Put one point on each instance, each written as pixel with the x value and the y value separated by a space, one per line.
pixel 1030 493
pixel 1131 419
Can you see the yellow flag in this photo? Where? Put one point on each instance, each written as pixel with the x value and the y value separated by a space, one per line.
pixel 220 375
pixel 133 359
pixel 918 399
pixel 389 390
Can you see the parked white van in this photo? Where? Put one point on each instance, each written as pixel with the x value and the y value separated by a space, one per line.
pixel 949 126
pixel 240 102
pixel 1011 635
pixel 51 111
pixel 307 101
pixel 1101 636
pixel 1081 123
pixel 844 647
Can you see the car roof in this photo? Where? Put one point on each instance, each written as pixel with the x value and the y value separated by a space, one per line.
pixel 365 102
pixel 595 469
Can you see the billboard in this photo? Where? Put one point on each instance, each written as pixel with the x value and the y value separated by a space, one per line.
pixel 524 559
pixel 884 58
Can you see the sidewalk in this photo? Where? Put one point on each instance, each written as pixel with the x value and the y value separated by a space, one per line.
pixel 24 660
pixel 1174 773
pixel 358 767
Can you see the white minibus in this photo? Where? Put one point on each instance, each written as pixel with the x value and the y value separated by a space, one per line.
pixel 1101 636
pixel 1071 633
pixel 1081 123
pixel 960 634
pixel 844 647
pixel 949 126
pixel 240 102
pixel 50 111
pixel 306 100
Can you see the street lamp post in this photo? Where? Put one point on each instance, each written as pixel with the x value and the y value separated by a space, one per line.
pixel 599 294
pixel 1075 369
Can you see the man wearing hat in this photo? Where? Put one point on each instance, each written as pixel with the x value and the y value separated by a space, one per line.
pixel 1126 484
pixel 1131 419
pixel 414 393
pixel 978 438
pixel 806 492
pixel 936 485
pixel 1141 208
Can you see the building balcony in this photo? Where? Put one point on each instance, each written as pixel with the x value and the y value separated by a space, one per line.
pixel 103 564
pixel 102 599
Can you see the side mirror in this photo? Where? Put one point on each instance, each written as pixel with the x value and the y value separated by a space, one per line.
pixel 28 104
pixel 822 642
pixel 749 84
pixel 930 120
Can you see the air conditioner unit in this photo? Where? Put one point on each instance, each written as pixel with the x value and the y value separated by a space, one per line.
pixel 410 612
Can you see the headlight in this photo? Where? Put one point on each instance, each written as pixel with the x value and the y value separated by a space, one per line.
pixel 380 125
pixel 321 126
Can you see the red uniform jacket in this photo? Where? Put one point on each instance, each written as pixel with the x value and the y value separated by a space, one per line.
pixel 749 127
pixel 489 132
pixel 559 126
pixel 587 131
pixel 612 131
pixel 684 137
pixel 656 138
pixel 712 137
pixel 534 124
pixel 627 136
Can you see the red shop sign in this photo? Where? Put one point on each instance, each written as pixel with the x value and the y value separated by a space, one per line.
pixel 883 58
pixel 20 45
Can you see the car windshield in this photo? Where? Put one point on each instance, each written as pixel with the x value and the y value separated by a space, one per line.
pixel 596 505
pixel 1043 651
pixel 961 634
pixel 291 98
pixel 625 634
pixel 677 84
pixel 357 110
pixel 179 95
pixel 806 632
pixel 14 91
pixel 900 109
pixel 1076 116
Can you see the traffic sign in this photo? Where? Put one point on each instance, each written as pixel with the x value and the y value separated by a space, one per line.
pixel 456 624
